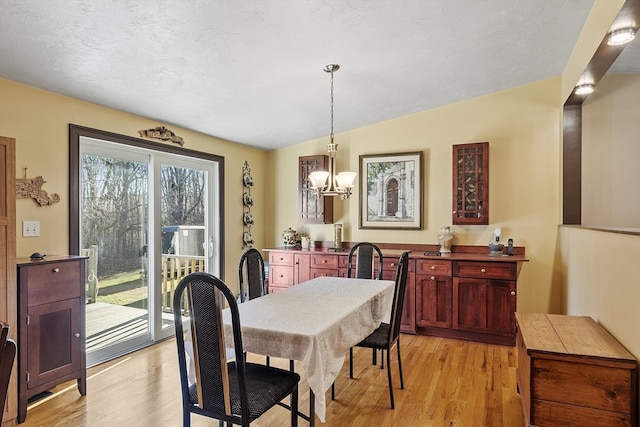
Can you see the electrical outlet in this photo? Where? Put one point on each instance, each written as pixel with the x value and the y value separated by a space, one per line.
pixel 30 228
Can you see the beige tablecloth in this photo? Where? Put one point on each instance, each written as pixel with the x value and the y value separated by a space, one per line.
pixel 315 322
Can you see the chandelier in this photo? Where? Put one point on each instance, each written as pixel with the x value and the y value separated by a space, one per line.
pixel 330 183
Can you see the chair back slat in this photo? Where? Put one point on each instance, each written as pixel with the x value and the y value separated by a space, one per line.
pixel 398 297
pixel 366 253
pixel 251 275
pixel 207 330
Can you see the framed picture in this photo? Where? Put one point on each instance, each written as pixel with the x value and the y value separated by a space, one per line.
pixel 391 191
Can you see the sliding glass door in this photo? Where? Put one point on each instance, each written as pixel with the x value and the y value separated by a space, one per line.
pixel 146 219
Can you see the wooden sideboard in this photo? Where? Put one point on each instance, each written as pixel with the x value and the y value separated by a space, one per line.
pixel 571 372
pixel 466 295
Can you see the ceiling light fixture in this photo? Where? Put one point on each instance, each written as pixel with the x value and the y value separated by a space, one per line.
pixel 621 36
pixel 328 183
pixel 584 89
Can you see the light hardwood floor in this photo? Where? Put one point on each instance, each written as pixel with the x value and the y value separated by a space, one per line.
pixel 447 383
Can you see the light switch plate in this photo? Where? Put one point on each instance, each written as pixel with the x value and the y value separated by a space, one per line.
pixel 30 228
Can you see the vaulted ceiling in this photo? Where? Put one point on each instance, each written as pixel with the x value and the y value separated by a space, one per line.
pixel 251 71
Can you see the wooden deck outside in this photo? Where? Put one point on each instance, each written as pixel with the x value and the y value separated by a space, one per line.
pixel 109 323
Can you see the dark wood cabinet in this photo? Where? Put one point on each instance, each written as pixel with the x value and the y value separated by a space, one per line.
pixel 433 293
pixel 474 300
pixel 484 306
pixel 484 297
pixel 311 209
pixel 471 183
pixel 51 316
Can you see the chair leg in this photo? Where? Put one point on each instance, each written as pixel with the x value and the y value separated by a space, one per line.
pixel 268 361
pixel 389 377
pixel 374 356
pixel 382 358
pixel 333 391
pixel 294 407
pixel 291 367
pixel 399 364
pixel 351 362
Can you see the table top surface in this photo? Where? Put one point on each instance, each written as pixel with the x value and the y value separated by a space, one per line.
pixel 315 322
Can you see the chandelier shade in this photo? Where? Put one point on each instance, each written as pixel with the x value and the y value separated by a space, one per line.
pixel 330 183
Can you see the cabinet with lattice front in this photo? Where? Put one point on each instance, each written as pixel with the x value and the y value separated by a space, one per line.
pixel 312 209
pixel 471 183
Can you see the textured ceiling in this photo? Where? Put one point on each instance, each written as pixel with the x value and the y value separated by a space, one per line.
pixel 250 71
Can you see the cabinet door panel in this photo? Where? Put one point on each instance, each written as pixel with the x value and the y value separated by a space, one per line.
pixel 486 306
pixel 54 348
pixel 501 307
pixel 301 268
pixel 433 301
pixel 469 304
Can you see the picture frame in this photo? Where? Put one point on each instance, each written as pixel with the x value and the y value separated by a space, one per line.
pixel 391 187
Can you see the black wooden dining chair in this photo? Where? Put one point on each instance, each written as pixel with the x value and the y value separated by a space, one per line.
pixel 364 254
pixel 251 275
pixel 235 392
pixel 7 357
pixel 387 335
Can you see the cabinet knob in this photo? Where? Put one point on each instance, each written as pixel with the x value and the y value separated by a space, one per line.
pixel 324 261
pixel 513 293
pixel 56 270
pixel 454 212
pixel 282 275
pixel 433 277
pixel 433 267
pixel 483 270
pixel 77 335
pixel 393 264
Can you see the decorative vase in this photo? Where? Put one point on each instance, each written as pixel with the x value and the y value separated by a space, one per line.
pixel 289 238
pixel 445 238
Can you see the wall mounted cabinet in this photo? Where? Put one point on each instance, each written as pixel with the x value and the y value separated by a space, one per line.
pixel 311 209
pixel 471 184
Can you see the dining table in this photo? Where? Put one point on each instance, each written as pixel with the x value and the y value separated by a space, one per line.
pixel 314 322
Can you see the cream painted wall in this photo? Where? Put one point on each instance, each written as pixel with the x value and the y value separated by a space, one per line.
pixel 600 274
pixel 610 153
pixel 39 122
pixel 522 127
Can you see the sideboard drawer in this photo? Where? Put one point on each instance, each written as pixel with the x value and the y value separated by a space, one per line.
pixel 489 270
pixel 324 261
pixel 53 282
pixel 433 267
pixel 280 258
pixel 280 275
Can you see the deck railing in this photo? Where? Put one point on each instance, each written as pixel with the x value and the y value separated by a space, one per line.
pixel 174 268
